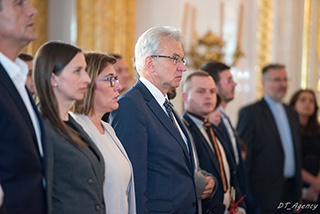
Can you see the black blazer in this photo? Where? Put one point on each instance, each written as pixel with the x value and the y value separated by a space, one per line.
pixel 265 157
pixel 21 166
pixel 241 169
pixel 163 168
pixel 209 162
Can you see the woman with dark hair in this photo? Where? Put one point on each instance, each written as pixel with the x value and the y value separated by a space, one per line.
pixel 75 167
pixel 101 97
pixel 305 103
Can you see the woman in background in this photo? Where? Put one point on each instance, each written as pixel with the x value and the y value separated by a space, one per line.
pixel 305 103
pixel 101 97
pixel 75 167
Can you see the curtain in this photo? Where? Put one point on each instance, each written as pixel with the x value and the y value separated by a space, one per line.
pixel 107 26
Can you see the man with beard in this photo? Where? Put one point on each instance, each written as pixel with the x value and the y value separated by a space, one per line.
pixel 225 89
pixel 271 131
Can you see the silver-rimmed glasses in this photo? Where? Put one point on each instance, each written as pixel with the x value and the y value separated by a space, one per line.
pixel 176 59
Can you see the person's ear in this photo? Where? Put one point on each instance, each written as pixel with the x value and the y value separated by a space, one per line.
pixel 149 63
pixel 185 97
pixel 53 80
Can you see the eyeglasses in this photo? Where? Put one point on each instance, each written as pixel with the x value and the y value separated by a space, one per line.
pixel 176 59
pixel 278 80
pixel 112 80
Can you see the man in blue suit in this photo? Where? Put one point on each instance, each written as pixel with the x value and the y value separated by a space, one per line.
pixel 154 137
pixel 22 152
pixel 199 96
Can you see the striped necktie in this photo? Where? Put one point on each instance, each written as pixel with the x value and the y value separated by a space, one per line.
pixel 212 137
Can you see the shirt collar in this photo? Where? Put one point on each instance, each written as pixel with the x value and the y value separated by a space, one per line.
pixel 223 111
pixel 14 69
pixel 157 94
pixel 270 102
pixel 195 119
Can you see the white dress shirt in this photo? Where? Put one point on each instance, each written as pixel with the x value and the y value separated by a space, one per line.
pixel 157 94
pixel 227 124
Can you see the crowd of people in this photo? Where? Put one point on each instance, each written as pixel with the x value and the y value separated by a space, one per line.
pixel 85 149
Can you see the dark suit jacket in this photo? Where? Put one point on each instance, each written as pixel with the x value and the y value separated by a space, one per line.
pixel 163 168
pixel 209 162
pixel 74 175
pixel 265 158
pixel 241 170
pixel 21 166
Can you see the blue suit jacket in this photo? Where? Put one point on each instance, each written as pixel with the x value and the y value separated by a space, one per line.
pixel 163 168
pixel 209 162
pixel 21 167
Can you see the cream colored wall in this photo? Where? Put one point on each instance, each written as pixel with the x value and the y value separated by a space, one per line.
pixel 286 42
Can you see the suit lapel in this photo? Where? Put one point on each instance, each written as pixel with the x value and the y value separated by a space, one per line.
pixel 92 147
pixel 162 117
pixel 8 85
pixel 193 128
pixel 42 132
pixel 228 140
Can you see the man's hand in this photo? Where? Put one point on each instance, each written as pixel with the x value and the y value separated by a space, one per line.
pixel 209 187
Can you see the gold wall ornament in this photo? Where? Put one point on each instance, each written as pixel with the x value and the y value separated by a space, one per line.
pixel 214 50
pixel 40 23
pixel 264 37
pixel 107 26
pixel 212 44
pixel 307 24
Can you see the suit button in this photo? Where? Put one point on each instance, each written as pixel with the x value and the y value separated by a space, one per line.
pixel 90 181
pixel 97 207
pixel 194 204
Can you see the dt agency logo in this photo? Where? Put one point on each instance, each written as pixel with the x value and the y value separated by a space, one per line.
pixel 297 206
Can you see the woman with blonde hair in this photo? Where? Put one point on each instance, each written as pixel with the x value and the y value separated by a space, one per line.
pixel 75 167
pixel 101 97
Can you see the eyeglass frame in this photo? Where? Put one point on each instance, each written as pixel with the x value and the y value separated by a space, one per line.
pixel 278 80
pixel 112 80
pixel 176 59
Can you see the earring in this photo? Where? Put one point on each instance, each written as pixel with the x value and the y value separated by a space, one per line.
pixel 56 84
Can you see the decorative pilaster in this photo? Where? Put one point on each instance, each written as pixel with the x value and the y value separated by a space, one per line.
pixel 264 37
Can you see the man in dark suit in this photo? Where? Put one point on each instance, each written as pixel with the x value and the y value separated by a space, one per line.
pixel 22 152
pixel 271 131
pixel 222 76
pixel 155 139
pixel 199 96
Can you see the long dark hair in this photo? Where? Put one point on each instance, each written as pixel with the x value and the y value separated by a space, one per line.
pixel 53 57
pixel 312 126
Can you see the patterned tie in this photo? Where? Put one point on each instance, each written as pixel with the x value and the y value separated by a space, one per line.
pixel 212 137
pixel 169 107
